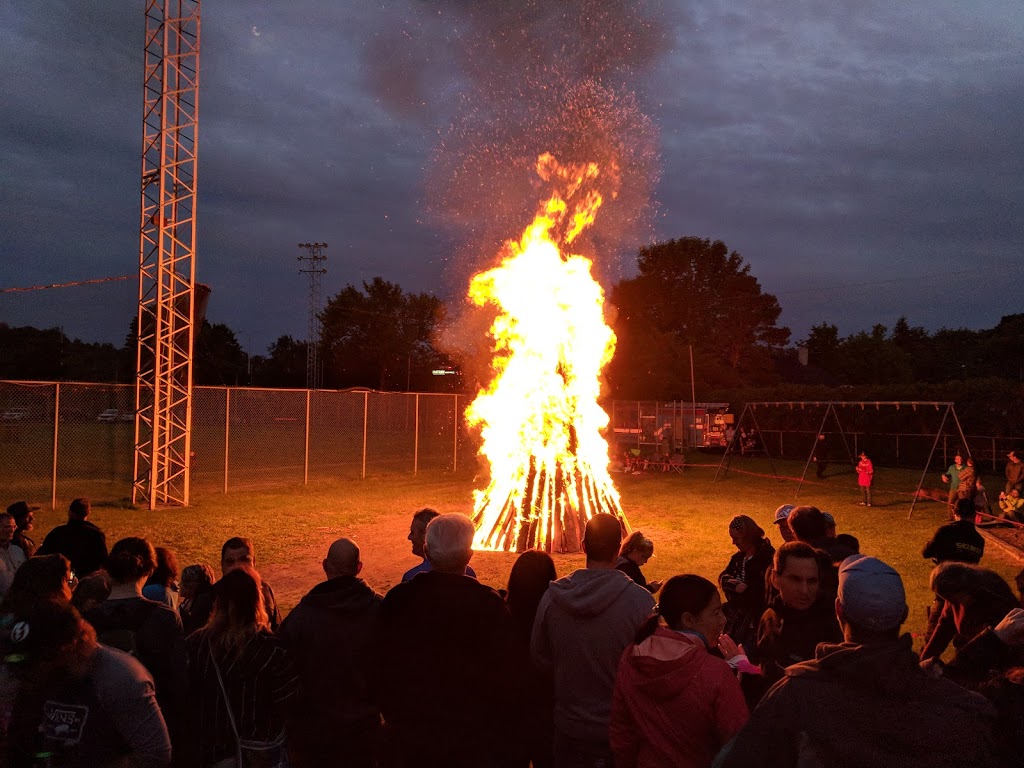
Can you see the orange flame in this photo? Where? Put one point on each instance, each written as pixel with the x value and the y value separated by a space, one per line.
pixel 539 419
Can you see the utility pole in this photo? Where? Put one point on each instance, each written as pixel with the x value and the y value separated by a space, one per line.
pixel 312 260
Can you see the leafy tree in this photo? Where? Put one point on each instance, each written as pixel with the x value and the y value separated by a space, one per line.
pixel 379 336
pixel 217 357
pixel 284 365
pixel 693 292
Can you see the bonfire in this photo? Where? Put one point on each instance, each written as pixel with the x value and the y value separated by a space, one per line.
pixel 540 422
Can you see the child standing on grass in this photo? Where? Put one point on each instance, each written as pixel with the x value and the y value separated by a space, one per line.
pixel 865 477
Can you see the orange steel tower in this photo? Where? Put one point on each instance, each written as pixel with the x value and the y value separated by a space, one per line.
pixel 163 385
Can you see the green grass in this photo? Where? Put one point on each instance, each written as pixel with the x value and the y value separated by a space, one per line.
pixel 686 515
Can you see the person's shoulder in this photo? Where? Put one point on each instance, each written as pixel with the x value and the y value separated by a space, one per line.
pixel 116 668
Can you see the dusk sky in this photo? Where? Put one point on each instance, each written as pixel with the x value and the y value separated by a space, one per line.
pixel 865 157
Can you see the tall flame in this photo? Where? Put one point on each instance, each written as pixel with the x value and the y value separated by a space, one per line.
pixel 540 422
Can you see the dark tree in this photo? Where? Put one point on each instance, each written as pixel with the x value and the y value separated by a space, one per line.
pixel 284 365
pixel 693 291
pixel 380 337
pixel 217 357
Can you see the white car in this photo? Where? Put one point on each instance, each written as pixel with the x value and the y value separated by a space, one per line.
pixel 16 414
pixel 113 414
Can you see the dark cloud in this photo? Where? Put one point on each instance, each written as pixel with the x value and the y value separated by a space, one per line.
pixel 871 145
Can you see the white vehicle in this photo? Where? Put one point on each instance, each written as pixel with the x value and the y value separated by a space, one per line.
pixel 16 414
pixel 112 414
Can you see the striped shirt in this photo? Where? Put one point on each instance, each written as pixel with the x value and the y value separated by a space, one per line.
pixel 260 680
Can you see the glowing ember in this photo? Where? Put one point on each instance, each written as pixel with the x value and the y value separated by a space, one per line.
pixel 539 419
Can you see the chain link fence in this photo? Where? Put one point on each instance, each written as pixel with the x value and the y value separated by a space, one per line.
pixel 62 440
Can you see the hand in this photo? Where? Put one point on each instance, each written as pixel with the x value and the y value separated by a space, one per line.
pixel 1011 629
pixel 654 586
pixel 739 587
pixel 945 478
pixel 933 667
pixel 728 647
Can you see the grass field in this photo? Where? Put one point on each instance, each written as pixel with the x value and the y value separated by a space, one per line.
pixel 686 515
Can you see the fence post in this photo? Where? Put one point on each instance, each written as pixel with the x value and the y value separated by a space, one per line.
pixel 455 440
pixel 227 434
pixel 56 422
pixel 366 410
pixel 993 454
pixel 897 449
pixel 305 460
pixel 416 440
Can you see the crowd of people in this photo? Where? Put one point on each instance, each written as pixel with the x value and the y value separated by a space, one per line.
pixel 794 658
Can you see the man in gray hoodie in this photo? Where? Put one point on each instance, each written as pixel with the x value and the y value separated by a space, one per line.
pixel 584 622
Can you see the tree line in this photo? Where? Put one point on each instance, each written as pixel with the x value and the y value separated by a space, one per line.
pixel 687 294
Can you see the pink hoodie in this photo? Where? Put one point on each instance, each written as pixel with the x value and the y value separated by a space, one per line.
pixel 674 704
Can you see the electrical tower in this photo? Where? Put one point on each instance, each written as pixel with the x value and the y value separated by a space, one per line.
pixel 312 259
pixel 170 126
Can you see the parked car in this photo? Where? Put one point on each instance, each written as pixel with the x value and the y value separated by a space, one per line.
pixel 16 414
pixel 113 414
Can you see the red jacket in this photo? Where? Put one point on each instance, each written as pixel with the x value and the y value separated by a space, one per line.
pixel 674 704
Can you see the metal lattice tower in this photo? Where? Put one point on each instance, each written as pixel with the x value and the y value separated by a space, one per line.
pixel 312 259
pixel 163 385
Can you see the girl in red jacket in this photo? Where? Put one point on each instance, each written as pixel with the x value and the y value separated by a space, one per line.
pixel 674 702
pixel 865 478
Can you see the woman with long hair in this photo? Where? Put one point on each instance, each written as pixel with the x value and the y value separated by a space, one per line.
pixel 636 550
pixel 531 574
pixel 240 680
pixel 162 584
pixel 675 701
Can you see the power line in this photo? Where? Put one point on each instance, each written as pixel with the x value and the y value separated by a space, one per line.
pixel 68 285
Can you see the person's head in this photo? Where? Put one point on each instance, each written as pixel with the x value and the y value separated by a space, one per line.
pixel 864 455
pixel 91 591
pixel 1013 457
pixel 964 509
pixel 692 603
pixel 1015 493
pixel 24 515
pixel 849 542
pixel 166 572
pixel 236 553
pixel 418 529
pixel 871 603
pixel 528 580
pixel 79 509
pixel 782 521
pixel 797 574
pixel 46 577
pixel 449 543
pixel 50 633
pixel 342 559
pixel 972 588
pixel 830 525
pixel 970 461
pixel 7 527
pixel 238 610
pixel 808 524
pixel 601 540
pixel 132 560
pixel 958 459
pixel 195 578
pixel 637 548
pixel 745 533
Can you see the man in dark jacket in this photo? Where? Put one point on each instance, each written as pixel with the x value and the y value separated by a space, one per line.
pixel 866 702
pixel 330 637
pixel 958 541
pixel 799 618
pixel 24 516
pixel 237 552
pixel 445 647
pixel 78 540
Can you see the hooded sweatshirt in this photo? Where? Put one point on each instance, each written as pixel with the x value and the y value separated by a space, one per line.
pixel 674 704
pixel 864 706
pixel 330 637
pixel 584 622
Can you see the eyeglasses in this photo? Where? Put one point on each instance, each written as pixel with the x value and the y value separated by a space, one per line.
pixel 72 579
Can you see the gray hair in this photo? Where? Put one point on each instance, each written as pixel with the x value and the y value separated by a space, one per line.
pixel 449 542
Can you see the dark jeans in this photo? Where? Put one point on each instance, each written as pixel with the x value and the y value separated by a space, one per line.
pixel 580 753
